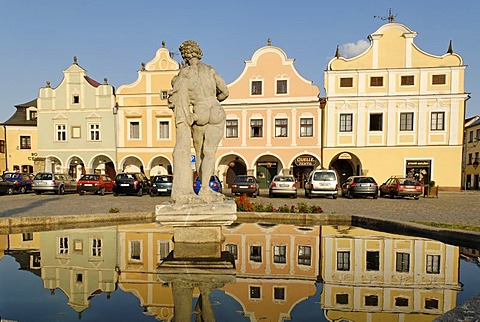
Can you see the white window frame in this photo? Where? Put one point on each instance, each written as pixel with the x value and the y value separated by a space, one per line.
pixel 436 129
pixel 93 130
pixel 346 129
pixel 276 86
pixel 139 121
pixel 169 129
pixel 96 247
pixel 163 249
pixel 130 253
pixel 63 245
pixel 370 122
pixel 306 126
pixel 251 88
pixel 406 122
pixel 234 129
pixel 262 127
pixel 279 127
pixel 58 130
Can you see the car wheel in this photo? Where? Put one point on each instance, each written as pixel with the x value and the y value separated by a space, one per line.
pixel 416 197
pixel 270 194
pixel 381 193
pixel 115 194
pixel 349 194
pixel 81 192
pixel 334 196
pixel 140 192
pixel 101 192
pixel 392 194
pixel 309 194
pixel 9 191
pixel 22 189
pixel 375 196
pixel 152 194
pixel 294 196
pixel 61 190
pixel 38 192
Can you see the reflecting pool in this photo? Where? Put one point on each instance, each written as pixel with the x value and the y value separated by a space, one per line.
pixel 282 273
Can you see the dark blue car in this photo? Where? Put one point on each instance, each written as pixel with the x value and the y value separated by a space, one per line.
pixel 215 184
pixel 22 181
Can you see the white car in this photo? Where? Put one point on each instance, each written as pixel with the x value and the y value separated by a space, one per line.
pixel 322 183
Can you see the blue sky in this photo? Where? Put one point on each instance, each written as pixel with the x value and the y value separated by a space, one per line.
pixel 112 38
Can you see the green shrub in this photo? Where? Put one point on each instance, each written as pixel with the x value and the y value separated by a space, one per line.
pixel 114 210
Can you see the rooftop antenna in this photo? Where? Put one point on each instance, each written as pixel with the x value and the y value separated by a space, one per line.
pixel 390 17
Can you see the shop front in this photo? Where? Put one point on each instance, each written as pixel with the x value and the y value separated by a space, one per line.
pixel 421 170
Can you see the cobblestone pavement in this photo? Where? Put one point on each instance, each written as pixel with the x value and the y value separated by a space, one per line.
pixel 461 207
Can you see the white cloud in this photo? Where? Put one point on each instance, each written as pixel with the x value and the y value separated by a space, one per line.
pixel 353 49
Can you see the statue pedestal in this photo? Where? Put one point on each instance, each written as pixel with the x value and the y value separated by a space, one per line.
pixel 197 228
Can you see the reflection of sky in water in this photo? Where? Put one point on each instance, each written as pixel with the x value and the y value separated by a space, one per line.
pixel 470 277
pixel 23 298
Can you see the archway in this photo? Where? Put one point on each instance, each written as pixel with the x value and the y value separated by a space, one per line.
pixel 267 166
pixel 229 167
pixel 346 164
pixel 53 164
pixel 160 165
pixel 132 164
pixel 76 167
pixel 104 165
pixel 302 165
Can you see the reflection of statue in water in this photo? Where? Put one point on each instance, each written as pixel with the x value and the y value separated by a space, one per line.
pixel 197 85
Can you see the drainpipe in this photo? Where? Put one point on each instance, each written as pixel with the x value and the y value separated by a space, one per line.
pixel 323 103
pixel 6 149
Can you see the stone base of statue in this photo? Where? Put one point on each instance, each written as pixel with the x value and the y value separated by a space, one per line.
pixel 197 224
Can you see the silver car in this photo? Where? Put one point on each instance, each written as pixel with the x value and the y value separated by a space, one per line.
pixel 322 183
pixel 57 183
pixel 284 185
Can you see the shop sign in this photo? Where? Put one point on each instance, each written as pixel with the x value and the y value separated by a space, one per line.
pixel 305 161
pixel 418 163
pixel 345 156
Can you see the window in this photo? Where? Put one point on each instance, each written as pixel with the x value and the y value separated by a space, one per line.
pixel 406 121
pixel 255 292
pixel 433 264
pixel 32 115
pixel 163 249
pixel 341 298
pixel 163 129
pixel 79 278
pixel 439 79
pixel 376 122
pixel 256 253
pixel 25 142
pixel 470 158
pixel 96 247
pixel 279 293
pixel 373 261
pixel 163 95
pixel 431 304
pixel 256 128
pixel 437 121
pixel 401 301
pixel 304 255
pixel 61 132
pixel 232 249
pixel 134 130
pixel 281 128
pixel 343 261
pixel 63 245
pixel 376 81
pixel 232 129
pixel 135 247
pixel 282 86
pixel 478 135
pixel 2 146
pixel 371 300
pixel 256 87
pixel 403 263
pixel 407 80
pixel 346 82
pixel 306 127
pixel 94 130
pixel 27 236
pixel 346 122
pixel 470 136
pixel 279 254
pixel 76 99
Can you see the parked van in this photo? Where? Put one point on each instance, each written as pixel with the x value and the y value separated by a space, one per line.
pixel 322 183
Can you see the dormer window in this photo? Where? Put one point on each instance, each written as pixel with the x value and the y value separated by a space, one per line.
pixel 33 115
pixel 256 88
pixel 76 99
pixel 282 86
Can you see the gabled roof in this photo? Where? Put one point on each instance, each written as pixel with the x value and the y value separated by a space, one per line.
pixel 92 82
pixel 20 115
pixel 474 123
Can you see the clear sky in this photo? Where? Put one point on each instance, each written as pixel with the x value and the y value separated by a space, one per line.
pixel 112 38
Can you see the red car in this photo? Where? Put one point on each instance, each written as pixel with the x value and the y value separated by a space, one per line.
pixel 401 187
pixel 96 183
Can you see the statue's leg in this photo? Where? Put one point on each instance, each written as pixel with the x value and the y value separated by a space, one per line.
pixel 182 174
pixel 198 141
pixel 212 137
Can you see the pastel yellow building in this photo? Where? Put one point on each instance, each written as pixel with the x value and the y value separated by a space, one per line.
pixel 395 110
pixel 146 130
pixel 472 154
pixel 273 120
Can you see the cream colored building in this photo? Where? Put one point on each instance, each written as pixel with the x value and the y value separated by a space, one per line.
pixel 472 154
pixel 274 123
pixel 76 124
pixel 146 131
pixel 395 110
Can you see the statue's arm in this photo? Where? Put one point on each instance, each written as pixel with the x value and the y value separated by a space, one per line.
pixel 222 88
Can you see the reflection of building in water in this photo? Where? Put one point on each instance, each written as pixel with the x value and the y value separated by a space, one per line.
pixel 141 250
pixel 80 262
pixel 25 248
pixel 277 267
pixel 470 254
pixel 380 276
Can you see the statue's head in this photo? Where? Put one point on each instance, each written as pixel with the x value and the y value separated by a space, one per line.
pixel 190 49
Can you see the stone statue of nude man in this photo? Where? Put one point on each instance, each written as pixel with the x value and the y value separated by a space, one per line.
pixel 195 97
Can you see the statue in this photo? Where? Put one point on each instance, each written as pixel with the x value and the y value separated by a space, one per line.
pixel 195 98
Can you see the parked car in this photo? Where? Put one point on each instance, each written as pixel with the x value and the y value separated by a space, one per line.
pixel 360 186
pixel 6 187
pixel 131 183
pixel 322 183
pixel 243 184
pixel 161 185
pixel 401 187
pixel 214 183
pixel 96 183
pixel 22 181
pixel 57 183
pixel 283 185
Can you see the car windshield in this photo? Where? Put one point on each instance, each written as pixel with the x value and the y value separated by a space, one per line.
pixel 91 177
pixel 324 176
pixel 43 176
pixel 364 180
pixel 168 179
pixel 408 182
pixel 244 179
pixel 283 179
pixel 11 175
pixel 126 176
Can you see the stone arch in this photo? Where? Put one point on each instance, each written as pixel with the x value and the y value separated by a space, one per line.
pixel 346 164
pixel 302 164
pixel 75 166
pixel 102 163
pixel 229 166
pixel 131 163
pixel 53 164
pixel 160 165
pixel 266 166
